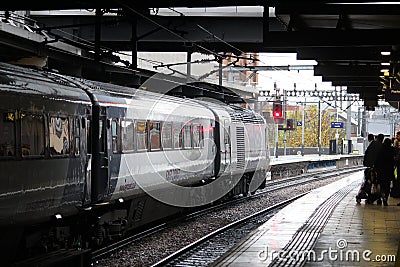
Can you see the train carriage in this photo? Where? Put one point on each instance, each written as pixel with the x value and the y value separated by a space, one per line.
pixel 149 140
pixel 85 160
pixel 42 146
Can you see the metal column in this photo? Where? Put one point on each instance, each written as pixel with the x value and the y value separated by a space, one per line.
pixel 134 47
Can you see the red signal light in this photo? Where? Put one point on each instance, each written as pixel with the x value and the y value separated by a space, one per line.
pixel 277 112
pixel 289 123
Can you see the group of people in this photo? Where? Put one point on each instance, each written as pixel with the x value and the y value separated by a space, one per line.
pixel 382 156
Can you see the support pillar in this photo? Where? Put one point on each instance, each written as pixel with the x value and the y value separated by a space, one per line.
pixel 220 71
pixel 188 66
pixel 97 35
pixel 134 46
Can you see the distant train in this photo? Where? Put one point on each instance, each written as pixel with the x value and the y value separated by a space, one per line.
pixel 82 162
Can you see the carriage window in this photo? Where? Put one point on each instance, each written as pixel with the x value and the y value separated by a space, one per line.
pixel 155 141
pixel 166 136
pixel 196 135
pixel 88 136
pixel 141 135
pixel 127 136
pixel 187 139
pixel 177 132
pixel 7 135
pixel 101 134
pixel 115 136
pixel 32 134
pixel 59 136
pixel 77 136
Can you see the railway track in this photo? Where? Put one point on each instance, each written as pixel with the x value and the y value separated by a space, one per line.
pixel 271 187
pixel 209 248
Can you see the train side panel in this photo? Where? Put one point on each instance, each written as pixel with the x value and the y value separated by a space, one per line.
pixel 152 141
pixel 43 155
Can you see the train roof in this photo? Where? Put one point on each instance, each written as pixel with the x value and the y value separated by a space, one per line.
pixel 20 80
pixel 117 94
pixel 16 79
pixel 104 90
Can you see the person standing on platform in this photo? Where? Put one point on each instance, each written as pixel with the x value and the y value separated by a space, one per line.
pixel 370 156
pixel 384 166
pixel 372 151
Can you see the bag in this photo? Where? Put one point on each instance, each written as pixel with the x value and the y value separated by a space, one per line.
pixel 373 176
pixel 375 189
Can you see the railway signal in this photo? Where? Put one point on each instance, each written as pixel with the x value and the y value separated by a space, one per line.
pixel 289 124
pixel 277 111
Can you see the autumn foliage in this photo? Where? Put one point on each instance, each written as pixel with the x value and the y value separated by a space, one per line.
pixel 294 138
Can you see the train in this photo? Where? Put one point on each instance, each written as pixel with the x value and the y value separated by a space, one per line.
pixel 84 162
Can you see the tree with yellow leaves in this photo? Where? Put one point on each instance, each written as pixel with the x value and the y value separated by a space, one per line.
pixel 294 137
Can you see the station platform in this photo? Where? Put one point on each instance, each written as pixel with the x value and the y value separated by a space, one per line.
pixel 293 165
pixel 309 158
pixel 324 228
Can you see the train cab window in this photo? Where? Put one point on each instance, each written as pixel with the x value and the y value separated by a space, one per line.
pixel 115 135
pixel 187 137
pixel 201 135
pixel 177 134
pixel 59 136
pixel 141 135
pixel 196 135
pixel 166 136
pixel 7 135
pixel 77 135
pixel 32 134
pixel 227 139
pixel 155 135
pixel 127 136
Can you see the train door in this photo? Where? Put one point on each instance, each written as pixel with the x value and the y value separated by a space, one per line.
pixel 227 149
pixel 105 147
pixel 87 150
pixel 100 165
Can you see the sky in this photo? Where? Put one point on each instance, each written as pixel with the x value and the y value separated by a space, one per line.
pixel 285 80
pixel 304 79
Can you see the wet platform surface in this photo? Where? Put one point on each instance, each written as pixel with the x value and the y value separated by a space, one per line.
pixel 311 157
pixel 344 234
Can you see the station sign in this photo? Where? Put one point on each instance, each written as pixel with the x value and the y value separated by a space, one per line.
pixel 337 125
pixel 392 94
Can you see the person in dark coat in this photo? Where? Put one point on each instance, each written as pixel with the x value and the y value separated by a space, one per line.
pixel 370 157
pixel 372 151
pixel 384 166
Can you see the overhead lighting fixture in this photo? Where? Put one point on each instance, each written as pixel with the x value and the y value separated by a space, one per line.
pixel 385 53
pixel 58 216
pixel 384 70
pixel 385 64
